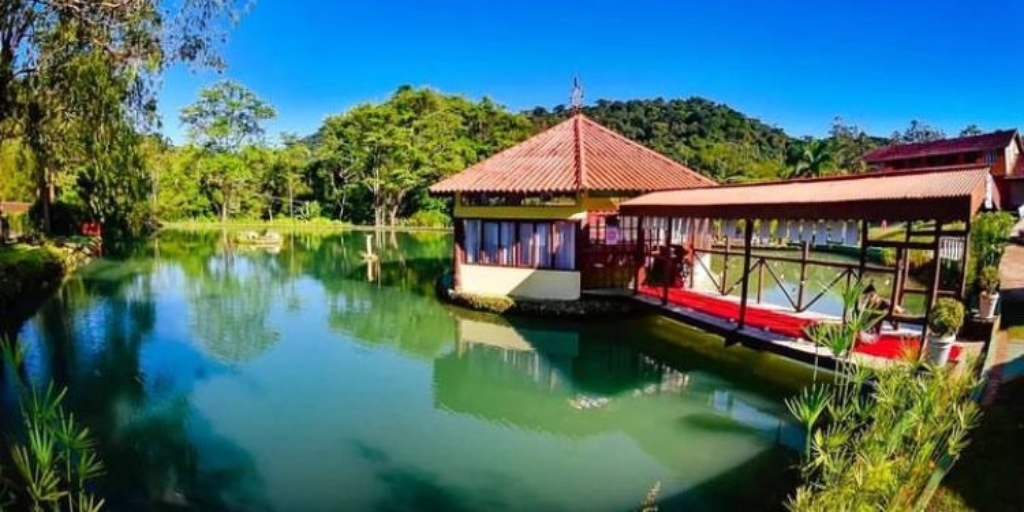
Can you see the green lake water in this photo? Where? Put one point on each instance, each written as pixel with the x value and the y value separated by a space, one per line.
pixel 298 379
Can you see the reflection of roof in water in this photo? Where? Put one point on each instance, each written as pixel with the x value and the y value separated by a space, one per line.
pixel 667 412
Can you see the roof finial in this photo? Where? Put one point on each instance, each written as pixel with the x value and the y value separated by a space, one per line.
pixel 576 99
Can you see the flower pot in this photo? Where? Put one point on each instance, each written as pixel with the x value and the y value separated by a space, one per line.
pixel 987 305
pixel 939 348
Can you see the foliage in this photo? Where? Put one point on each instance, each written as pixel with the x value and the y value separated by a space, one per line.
pixel 971 130
pixel 77 87
pixel 882 434
pixel 428 219
pixel 946 318
pixel 988 279
pixel 65 217
pixel 990 233
pixel 812 159
pixel 917 132
pixel 53 458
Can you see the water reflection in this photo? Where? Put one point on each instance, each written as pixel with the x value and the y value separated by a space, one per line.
pixel 220 378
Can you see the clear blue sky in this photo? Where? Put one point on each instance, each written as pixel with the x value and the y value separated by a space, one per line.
pixel 794 64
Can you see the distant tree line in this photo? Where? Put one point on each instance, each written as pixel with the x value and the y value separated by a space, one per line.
pixel 373 163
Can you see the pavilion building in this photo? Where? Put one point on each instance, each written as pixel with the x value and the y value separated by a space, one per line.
pixel 539 220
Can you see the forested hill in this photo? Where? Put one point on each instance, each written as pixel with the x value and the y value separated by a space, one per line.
pixel 713 138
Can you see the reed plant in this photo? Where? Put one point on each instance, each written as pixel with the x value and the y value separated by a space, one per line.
pixel 51 459
pixel 874 435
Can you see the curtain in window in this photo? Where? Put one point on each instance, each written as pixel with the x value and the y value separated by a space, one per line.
pixel 565 245
pixel 508 238
pixel 543 244
pixel 490 243
pixel 471 240
pixel 526 248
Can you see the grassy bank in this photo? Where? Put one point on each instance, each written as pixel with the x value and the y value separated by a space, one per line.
pixel 30 273
pixel 284 225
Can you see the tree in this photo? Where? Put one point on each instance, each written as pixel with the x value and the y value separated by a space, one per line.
pixel 227 119
pixel 918 132
pixel 813 158
pixel 89 69
pixel 849 144
pixel 970 131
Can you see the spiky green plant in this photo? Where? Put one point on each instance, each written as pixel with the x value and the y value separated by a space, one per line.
pixel 54 457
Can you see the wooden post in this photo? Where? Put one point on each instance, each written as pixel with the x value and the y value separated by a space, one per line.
pixel 760 279
pixel 748 235
pixel 639 253
pixel 863 250
pixel 725 264
pixel 965 260
pixel 460 251
pixel 805 253
pixel 933 287
pixel 667 268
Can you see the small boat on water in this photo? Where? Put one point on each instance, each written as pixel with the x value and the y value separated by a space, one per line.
pixel 267 239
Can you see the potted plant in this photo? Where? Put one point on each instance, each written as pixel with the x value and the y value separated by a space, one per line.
pixel 989 282
pixel 944 323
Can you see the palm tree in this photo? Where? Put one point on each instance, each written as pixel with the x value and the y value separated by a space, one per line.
pixel 812 159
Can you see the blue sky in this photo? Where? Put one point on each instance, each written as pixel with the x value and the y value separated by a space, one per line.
pixel 794 64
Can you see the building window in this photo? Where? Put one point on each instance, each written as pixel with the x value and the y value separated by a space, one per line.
pixel 520 244
pixel 991 157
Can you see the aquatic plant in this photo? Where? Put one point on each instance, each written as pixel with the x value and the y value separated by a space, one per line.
pixel 52 458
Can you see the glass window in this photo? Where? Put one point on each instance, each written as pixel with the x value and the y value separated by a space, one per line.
pixel 471 240
pixel 565 245
pixel 542 240
pixel 508 237
pixel 526 247
pixel 490 243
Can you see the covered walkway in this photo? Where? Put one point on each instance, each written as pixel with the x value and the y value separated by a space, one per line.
pixel 708 254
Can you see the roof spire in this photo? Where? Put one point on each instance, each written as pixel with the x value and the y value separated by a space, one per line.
pixel 576 98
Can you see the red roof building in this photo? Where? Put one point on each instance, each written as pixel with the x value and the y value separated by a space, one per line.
pixel 529 220
pixel 999 151
pixel 576 155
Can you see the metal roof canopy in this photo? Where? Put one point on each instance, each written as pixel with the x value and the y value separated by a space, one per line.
pixel 944 194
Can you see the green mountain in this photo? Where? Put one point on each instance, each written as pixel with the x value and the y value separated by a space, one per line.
pixel 710 137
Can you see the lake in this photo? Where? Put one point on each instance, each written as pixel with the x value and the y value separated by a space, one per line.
pixel 221 378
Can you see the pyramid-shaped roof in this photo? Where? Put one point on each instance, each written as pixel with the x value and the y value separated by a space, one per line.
pixel 575 155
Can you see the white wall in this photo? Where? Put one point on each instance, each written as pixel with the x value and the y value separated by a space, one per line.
pixel 519 282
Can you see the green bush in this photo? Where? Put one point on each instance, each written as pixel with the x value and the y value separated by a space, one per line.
pixel 988 279
pixel 65 218
pixel 428 219
pixel 989 234
pixel 946 317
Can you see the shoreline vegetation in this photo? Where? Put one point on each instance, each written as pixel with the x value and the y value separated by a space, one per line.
pixel 293 225
pixel 31 273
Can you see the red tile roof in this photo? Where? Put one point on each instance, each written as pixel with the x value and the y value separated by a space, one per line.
pixel 947 193
pixel 577 154
pixel 984 142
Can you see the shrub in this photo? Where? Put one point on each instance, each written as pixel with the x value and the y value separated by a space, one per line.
pixel 988 280
pixel 65 218
pixel 876 436
pixel 428 219
pixel 989 234
pixel 946 317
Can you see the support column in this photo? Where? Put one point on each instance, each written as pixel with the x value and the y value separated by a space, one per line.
pixel 748 235
pixel 460 253
pixel 667 251
pixel 639 253
pixel 863 251
pixel 805 254
pixel 933 287
pixel 965 260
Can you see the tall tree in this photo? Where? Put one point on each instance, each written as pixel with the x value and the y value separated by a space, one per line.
pixel 970 131
pixel 814 157
pixel 918 132
pixel 89 67
pixel 225 120
pixel 849 144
